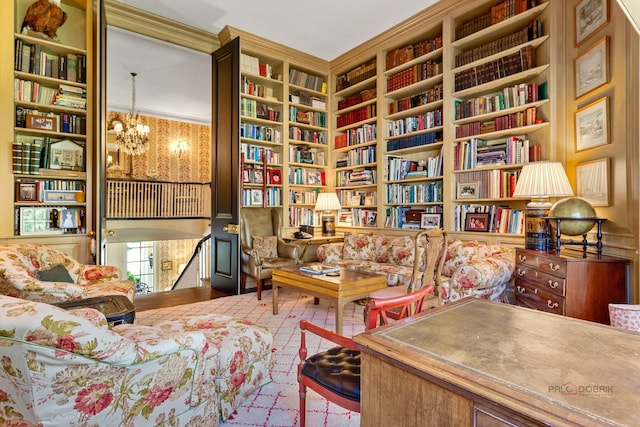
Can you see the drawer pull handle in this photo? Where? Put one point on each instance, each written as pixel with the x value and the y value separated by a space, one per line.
pixel 552 304
pixel 521 272
pixel 521 289
pixel 522 258
pixel 554 267
pixel 553 284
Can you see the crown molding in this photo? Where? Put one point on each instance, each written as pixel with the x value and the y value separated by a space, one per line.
pixel 142 22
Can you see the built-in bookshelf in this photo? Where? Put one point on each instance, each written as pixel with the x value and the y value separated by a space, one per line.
pixel 308 147
pixel 500 98
pixel 413 134
pixel 53 139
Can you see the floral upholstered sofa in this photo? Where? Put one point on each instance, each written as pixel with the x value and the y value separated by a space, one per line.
pixel 394 256
pixel 39 273
pixel 67 368
pixel 476 269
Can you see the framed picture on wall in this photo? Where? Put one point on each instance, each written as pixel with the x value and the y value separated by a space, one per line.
pixel 592 181
pixel 589 17
pixel 592 67
pixel 592 125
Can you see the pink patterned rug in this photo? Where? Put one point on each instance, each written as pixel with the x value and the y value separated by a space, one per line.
pixel 276 404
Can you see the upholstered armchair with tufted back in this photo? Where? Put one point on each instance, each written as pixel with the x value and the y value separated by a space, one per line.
pixel 39 273
pixel 262 247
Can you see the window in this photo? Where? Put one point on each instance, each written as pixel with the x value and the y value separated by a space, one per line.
pixel 140 264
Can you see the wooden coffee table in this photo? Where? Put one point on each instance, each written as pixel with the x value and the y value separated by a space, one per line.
pixel 347 287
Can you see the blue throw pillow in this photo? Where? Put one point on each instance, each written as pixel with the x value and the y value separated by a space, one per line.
pixel 57 273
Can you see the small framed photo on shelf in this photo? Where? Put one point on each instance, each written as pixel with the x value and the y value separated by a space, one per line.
pixel 59 196
pixel 26 191
pixel 430 220
pixel 592 181
pixel 66 154
pixel 245 175
pixel 476 222
pixel 68 218
pixel 275 177
pixel 256 197
pixel 592 67
pixel 467 190
pixel 257 176
pixel 48 123
pixel 589 17
pixel 592 125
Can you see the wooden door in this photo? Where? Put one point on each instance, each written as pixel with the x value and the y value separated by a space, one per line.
pixel 225 209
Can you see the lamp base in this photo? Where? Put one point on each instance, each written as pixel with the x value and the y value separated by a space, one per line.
pixel 328 225
pixel 536 236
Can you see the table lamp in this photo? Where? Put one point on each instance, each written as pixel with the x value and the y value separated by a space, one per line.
pixel 327 203
pixel 540 181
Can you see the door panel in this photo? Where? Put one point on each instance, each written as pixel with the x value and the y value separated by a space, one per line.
pixel 225 262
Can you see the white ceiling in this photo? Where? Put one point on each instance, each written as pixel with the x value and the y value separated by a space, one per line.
pixel 174 82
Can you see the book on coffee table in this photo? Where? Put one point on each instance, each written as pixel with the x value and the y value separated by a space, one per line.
pixel 319 269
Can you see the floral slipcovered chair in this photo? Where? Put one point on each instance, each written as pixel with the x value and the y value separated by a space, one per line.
pixel 476 269
pixel 40 273
pixel 68 368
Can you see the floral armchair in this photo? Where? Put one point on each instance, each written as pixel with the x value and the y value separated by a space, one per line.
pixel 68 368
pixel 40 273
pixel 476 269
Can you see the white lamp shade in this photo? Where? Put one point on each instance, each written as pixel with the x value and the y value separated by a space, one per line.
pixel 543 180
pixel 328 202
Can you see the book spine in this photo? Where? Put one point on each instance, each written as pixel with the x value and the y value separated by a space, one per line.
pixel 16 156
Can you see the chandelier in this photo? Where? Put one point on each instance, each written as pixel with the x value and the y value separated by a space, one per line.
pixel 132 136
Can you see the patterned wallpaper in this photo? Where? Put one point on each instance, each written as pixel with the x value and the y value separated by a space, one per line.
pixel 162 163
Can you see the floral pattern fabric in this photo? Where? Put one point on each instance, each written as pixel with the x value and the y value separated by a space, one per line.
pixel 19 263
pixel 265 246
pixel 625 316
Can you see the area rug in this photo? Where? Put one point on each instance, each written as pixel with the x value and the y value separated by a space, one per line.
pixel 276 404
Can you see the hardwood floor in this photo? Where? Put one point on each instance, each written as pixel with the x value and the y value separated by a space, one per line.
pixel 175 297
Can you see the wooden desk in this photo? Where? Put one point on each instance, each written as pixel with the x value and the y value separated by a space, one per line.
pixel 480 363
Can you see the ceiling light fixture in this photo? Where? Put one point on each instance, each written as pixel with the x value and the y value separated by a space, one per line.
pixel 132 136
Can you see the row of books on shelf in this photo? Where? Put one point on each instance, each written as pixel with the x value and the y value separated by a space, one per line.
pixel 510 96
pixel 307 154
pixel 315 118
pixel 304 176
pixel 30 118
pixel 357 156
pixel 63 96
pixel 360 135
pixel 366 176
pixel 303 216
pixel 255 109
pixel 272 196
pixel 34 220
pixel 513 150
pixel 307 135
pixel 256 153
pixel 357 98
pixel 28 157
pixel 524 35
pixel 49 191
pixel 303 98
pixel 357 218
pixel 423 98
pixel 414 141
pixel 35 59
pixel 414 74
pixel 397 168
pixel 423 121
pixel 428 192
pixel 303 197
pixel 396 217
pixel 252 65
pixel 493 219
pixel 355 198
pixel 310 81
pixel 258 175
pixel 356 75
pixel 505 66
pixel 486 184
pixel 249 87
pixel 527 117
pixel 399 56
pixel 260 133
pixel 355 116
pixel 496 14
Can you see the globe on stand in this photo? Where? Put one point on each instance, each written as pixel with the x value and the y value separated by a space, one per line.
pixel 579 210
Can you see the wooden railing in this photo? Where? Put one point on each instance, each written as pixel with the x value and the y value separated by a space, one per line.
pixel 157 199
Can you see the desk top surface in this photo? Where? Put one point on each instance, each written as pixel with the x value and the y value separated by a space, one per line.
pixel 578 366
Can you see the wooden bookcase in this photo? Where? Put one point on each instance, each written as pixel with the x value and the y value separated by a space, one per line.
pixel 52 128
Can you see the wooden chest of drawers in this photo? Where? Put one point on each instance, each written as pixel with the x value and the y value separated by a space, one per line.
pixel 569 285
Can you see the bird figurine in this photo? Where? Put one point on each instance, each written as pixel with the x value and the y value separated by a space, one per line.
pixel 44 16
